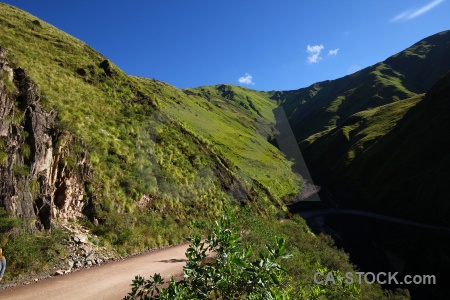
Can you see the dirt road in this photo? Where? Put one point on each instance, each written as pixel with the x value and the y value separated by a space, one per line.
pixel 109 281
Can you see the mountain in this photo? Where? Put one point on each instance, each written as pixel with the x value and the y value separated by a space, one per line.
pixel 82 139
pixel 96 164
pixel 378 140
pixel 325 105
pixel 349 132
pixel 239 122
pixel 393 158
pixel 135 160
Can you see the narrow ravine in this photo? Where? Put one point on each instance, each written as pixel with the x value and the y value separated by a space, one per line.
pixel 316 213
pixel 381 243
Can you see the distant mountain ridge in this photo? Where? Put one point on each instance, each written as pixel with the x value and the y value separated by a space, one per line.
pixel 339 124
pixel 327 104
pixel 379 140
pixel 373 137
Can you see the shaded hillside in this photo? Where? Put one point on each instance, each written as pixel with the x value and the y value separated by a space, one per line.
pixel 327 104
pixel 394 158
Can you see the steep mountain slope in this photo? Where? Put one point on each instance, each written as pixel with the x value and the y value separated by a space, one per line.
pixel 115 152
pixel 349 128
pixel 325 105
pixel 134 161
pixel 395 157
pixel 239 122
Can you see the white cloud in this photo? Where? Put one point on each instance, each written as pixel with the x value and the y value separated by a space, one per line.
pixel 314 52
pixel 333 52
pixel 246 79
pixel 403 16
pixel 411 14
pixel 424 9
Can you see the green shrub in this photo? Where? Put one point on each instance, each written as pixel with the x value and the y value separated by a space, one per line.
pixel 23 170
pixel 310 254
pixel 7 222
pixel 30 254
pixel 3 158
pixel 220 268
pixel 26 150
pixel 10 87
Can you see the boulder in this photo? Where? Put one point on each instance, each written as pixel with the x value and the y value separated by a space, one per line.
pixel 80 238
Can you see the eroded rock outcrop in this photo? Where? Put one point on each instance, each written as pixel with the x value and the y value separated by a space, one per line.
pixel 42 176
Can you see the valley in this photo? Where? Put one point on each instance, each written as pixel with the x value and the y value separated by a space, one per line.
pixel 139 163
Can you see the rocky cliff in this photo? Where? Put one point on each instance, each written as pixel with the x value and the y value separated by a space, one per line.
pixel 43 169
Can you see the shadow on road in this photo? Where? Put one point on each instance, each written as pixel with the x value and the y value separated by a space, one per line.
pixel 172 260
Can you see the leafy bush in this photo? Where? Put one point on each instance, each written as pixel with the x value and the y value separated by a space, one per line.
pixel 7 224
pixel 311 253
pixel 30 254
pixel 21 170
pixel 220 268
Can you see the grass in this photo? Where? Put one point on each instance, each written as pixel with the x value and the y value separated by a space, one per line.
pixel 31 254
pixel 161 156
pixel 140 145
pixel 310 253
pixel 395 159
pixel 392 156
pixel 239 131
pixel 360 131
pixel 325 105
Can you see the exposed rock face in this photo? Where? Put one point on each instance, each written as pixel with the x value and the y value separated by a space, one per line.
pixel 106 66
pixel 42 176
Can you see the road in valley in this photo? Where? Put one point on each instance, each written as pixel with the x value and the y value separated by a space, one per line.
pixel 109 281
pixel 324 212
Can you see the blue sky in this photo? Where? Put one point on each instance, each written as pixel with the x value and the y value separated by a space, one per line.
pixel 261 44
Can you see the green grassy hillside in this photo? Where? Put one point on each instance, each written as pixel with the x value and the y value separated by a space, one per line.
pixel 356 135
pixel 160 156
pixel 373 158
pixel 349 130
pixel 239 122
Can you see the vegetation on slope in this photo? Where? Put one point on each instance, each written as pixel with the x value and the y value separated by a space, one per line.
pixel 354 137
pixel 404 144
pixel 239 122
pixel 354 130
pixel 154 169
pixel 395 159
pixel 259 258
pixel 28 253
pixel 162 156
pixel 325 105
pixel 375 142
pixel 116 114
